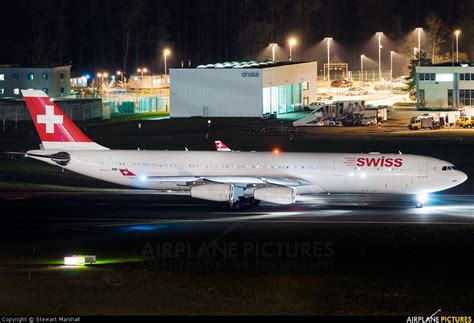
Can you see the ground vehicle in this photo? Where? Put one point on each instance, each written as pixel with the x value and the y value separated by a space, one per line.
pixel 357 91
pixel 363 122
pixel 341 83
pixel 466 122
pixel 423 122
pixel 348 122
pixel 325 97
pixel 267 116
pixel 315 105
pixel 332 122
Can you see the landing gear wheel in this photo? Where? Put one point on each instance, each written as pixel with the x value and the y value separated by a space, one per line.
pixel 224 206
pixel 237 206
pixel 253 202
pixel 419 205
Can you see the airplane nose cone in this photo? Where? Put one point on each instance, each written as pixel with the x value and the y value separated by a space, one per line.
pixel 462 177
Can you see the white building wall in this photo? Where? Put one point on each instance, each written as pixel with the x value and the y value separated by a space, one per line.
pixel 234 92
pixel 216 93
pixel 295 73
pixel 436 92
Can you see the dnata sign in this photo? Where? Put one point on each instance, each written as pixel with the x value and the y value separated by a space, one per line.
pixel 250 74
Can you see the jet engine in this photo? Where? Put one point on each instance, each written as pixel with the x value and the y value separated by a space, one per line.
pixel 277 195
pixel 213 192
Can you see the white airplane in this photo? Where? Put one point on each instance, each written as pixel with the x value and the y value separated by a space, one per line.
pixel 234 178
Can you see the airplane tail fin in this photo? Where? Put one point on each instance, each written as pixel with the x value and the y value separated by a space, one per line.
pixel 54 127
pixel 220 146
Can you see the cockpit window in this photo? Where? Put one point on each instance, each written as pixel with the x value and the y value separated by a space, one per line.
pixel 448 168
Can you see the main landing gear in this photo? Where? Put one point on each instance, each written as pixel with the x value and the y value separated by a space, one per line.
pixel 240 204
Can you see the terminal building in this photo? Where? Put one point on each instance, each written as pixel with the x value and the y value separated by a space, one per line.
pixel 242 89
pixel 445 86
pixel 54 81
pixel 149 82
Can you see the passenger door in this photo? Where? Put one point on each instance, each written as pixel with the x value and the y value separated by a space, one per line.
pixel 422 169
pixel 105 163
pixel 209 167
pixel 337 167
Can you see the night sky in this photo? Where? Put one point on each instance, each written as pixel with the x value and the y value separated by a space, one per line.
pixel 93 34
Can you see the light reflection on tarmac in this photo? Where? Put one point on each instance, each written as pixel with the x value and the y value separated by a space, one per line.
pixel 98 211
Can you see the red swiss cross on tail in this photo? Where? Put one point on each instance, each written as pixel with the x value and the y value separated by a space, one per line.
pixel 220 146
pixel 54 127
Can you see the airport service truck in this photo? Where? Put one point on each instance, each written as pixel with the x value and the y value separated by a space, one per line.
pixel 423 122
pixel 466 121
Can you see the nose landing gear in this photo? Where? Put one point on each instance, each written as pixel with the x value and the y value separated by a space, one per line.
pixel 420 200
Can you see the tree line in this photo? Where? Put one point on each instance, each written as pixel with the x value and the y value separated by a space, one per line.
pixel 126 34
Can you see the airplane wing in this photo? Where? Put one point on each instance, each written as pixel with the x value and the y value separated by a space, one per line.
pixel 279 190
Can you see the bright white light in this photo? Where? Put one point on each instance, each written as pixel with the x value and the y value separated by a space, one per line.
pixel 363 175
pixel 422 198
pixel 143 178
pixel 444 77
pixel 74 261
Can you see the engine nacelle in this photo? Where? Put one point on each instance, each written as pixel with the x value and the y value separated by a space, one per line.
pixel 213 192
pixel 277 195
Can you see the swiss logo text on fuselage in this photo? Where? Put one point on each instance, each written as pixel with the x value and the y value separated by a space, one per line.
pixel 375 162
pixel 250 74
pixel 379 162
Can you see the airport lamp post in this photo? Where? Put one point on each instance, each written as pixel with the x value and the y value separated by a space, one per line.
pixel 391 64
pixel 273 46
pixel 120 74
pixel 379 36
pixel 362 66
pixel 102 76
pixel 328 39
pixel 142 70
pixel 419 30
pixel 166 52
pixel 292 42
pixel 457 32
pixel 209 122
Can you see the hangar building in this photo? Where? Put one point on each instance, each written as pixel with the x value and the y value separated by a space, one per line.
pixel 242 89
